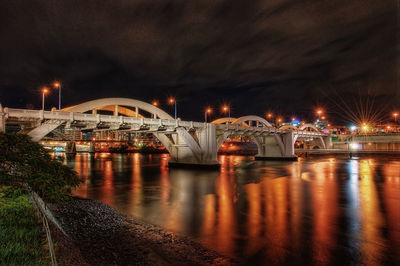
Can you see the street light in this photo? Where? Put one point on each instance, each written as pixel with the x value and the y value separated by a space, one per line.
pixel 319 112
pixel 395 114
pixel 207 112
pixel 57 85
pixel 45 90
pixel 171 101
pixel 155 103
pixel 225 109
pixel 279 121
pixel 364 127
pixel 269 115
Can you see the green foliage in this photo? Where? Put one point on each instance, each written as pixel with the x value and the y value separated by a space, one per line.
pixel 20 241
pixel 23 161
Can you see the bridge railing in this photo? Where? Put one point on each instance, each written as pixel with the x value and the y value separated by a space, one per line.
pixel 97 118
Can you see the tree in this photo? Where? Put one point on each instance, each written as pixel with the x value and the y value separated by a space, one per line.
pixel 24 162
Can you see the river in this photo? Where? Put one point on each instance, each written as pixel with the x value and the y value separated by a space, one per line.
pixel 313 211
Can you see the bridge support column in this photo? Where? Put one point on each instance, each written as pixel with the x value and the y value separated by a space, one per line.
pixel 194 149
pixel 70 148
pixel 2 120
pixel 328 142
pixel 91 147
pixel 277 147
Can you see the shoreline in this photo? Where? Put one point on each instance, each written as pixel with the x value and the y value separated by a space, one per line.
pixel 101 235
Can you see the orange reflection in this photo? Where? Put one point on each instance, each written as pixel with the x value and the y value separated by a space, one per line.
pixel 82 168
pixel 107 190
pixel 391 199
pixel 324 192
pixel 164 179
pixel 208 227
pixel 226 223
pixel 254 218
pixel 276 218
pixel 371 218
pixel 295 203
pixel 136 193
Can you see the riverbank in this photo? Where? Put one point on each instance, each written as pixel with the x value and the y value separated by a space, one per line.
pixel 102 236
pixel 21 240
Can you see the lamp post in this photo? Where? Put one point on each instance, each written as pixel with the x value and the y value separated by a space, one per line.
pixel 57 85
pixel 207 112
pixel 395 114
pixel 279 121
pixel 319 112
pixel 45 90
pixel 172 101
pixel 225 109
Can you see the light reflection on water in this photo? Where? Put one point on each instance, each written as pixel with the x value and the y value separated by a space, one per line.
pixel 307 212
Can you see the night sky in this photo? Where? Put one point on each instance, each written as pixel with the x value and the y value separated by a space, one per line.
pixel 280 55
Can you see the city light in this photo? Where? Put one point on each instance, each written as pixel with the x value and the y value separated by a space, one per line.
pixel 395 115
pixel 364 127
pixel 355 146
pixel 57 85
pixel 225 109
pixel 155 103
pixel 269 115
pixel 293 118
pixel 206 113
pixel 45 90
pixel 353 127
pixel 171 101
pixel 319 112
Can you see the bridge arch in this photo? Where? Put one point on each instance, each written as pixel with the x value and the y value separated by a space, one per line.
pixel 223 120
pixel 288 127
pixel 121 110
pixel 102 104
pixel 249 118
pixel 105 102
pixel 244 121
pixel 311 127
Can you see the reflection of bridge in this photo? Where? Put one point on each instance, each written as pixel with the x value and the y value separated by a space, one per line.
pixel 188 142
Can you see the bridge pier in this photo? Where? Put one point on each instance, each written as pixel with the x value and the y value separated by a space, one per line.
pixel 276 148
pixel 91 147
pixel 192 148
pixel 328 142
pixel 70 148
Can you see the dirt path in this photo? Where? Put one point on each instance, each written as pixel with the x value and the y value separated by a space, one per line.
pixel 105 237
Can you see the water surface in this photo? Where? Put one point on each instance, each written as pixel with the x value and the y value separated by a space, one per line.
pixel 312 211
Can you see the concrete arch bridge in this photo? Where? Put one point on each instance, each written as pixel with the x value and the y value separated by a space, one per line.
pixel 188 142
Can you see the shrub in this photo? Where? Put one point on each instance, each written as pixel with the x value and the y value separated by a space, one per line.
pixel 23 161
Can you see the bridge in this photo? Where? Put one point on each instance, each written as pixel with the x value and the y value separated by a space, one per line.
pixel 188 142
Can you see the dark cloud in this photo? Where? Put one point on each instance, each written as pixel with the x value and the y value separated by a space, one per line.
pixel 257 55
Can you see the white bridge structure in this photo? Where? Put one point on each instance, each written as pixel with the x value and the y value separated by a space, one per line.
pixel 189 143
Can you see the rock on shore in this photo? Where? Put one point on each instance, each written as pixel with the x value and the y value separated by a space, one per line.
pixel 106 237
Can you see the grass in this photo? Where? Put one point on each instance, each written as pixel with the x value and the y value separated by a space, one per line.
pixel 21 241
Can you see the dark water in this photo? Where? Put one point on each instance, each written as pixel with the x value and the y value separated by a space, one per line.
pixel 329 211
